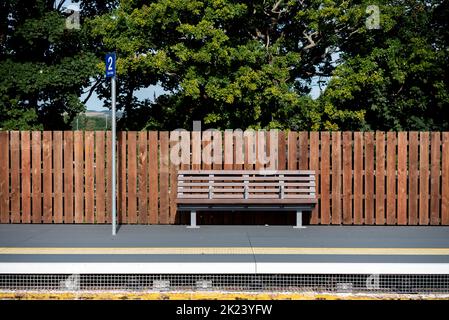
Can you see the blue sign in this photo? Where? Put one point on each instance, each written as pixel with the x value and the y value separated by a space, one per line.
pixel 110 65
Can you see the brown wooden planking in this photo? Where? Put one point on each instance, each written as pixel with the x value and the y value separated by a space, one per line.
pixel 391 178
pixel 153 176
pixel 173 177
pixel 336 178
pixel 100 195
pixel 25 147
pixel 314 162
pixel 402 178
pixel 281 165
pixel 369 178
pixel 324 190
pixel 58 209
pixel 217 150
pixel 303 156
pixel 89 177
pixel 260 152
pixel 108 174
pixel 260 139
pixel 380 178
pixel 347 178
pixel 435 155
pixel 164 177
pixel 413 179
pixel 228 150
pixel 68 177
pixel 292 150
pixel 36 177
pixel 132 177
pixel 47 176
pixel 358 178
pixel 143 177
pixel 228 156
pixel 14 147
pixel 238 160
pixel 424 143
pixel 217 163
pixel 79 176
pixel 4 177
pixel 445 181
pixel 196 150
pixel 123 218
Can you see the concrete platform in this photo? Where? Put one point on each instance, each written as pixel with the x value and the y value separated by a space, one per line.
pixel 223 249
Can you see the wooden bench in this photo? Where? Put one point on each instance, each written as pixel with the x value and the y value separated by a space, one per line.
pixel 256 190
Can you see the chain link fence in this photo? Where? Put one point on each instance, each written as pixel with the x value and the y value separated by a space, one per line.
pixel 316 283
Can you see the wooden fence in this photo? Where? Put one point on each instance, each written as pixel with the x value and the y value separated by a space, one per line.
pixel 364 178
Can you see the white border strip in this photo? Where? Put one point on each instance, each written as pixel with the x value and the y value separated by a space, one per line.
pixel 353 268
pixel 224 268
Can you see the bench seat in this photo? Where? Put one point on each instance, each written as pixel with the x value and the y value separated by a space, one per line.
pixel 246 190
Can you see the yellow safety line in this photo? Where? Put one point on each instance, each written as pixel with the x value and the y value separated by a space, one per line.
pixel 226 251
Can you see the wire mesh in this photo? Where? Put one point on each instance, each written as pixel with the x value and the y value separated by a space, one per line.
pixel 316 283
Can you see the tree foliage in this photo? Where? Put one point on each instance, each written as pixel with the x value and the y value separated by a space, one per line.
pixel 230 63
pixel 44 66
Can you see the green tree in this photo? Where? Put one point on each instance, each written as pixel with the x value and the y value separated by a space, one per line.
pixel 228 63
pixel 397 76
pixel 44 65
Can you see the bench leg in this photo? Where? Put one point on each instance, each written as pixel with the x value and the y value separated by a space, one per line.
pixel 299 220
pixel 193 224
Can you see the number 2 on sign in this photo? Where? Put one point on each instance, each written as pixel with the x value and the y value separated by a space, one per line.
pixel 110 62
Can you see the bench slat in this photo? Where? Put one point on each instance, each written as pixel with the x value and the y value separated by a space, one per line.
pixel 239 178
pixel 240 172
pixel 245 201
pixel 241 184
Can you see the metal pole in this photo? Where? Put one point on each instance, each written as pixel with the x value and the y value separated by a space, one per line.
pixel 114 214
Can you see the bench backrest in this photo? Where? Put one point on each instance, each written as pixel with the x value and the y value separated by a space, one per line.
pixel 246 184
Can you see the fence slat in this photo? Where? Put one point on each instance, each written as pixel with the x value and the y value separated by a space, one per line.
pixel 314 165
pixel 47 176
pixel 413 179
pixel 435 179
pixel 4 177
pixel 57 177
pixel 68 177
pixel 174 135
pixel 325 178
pixel 238 159
pixel 26 176
pixel 303 150
pixel 292 150
pixel 36 177
pixel 196 150
pixel 164 177
pixel 369 178
pixel 391 177
pixel 132 177
pixel 424 178
pixel 347 178
pixel 153 172
pixel 143 176
pixel 336 178
pixel 15 176
pixel 79 176
pixel 380 178
pixel 99 177
pixel 445 181
pixel 402 178
pixel 108 173
pixel 122 214
pixel 89 176
pixel 358 178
